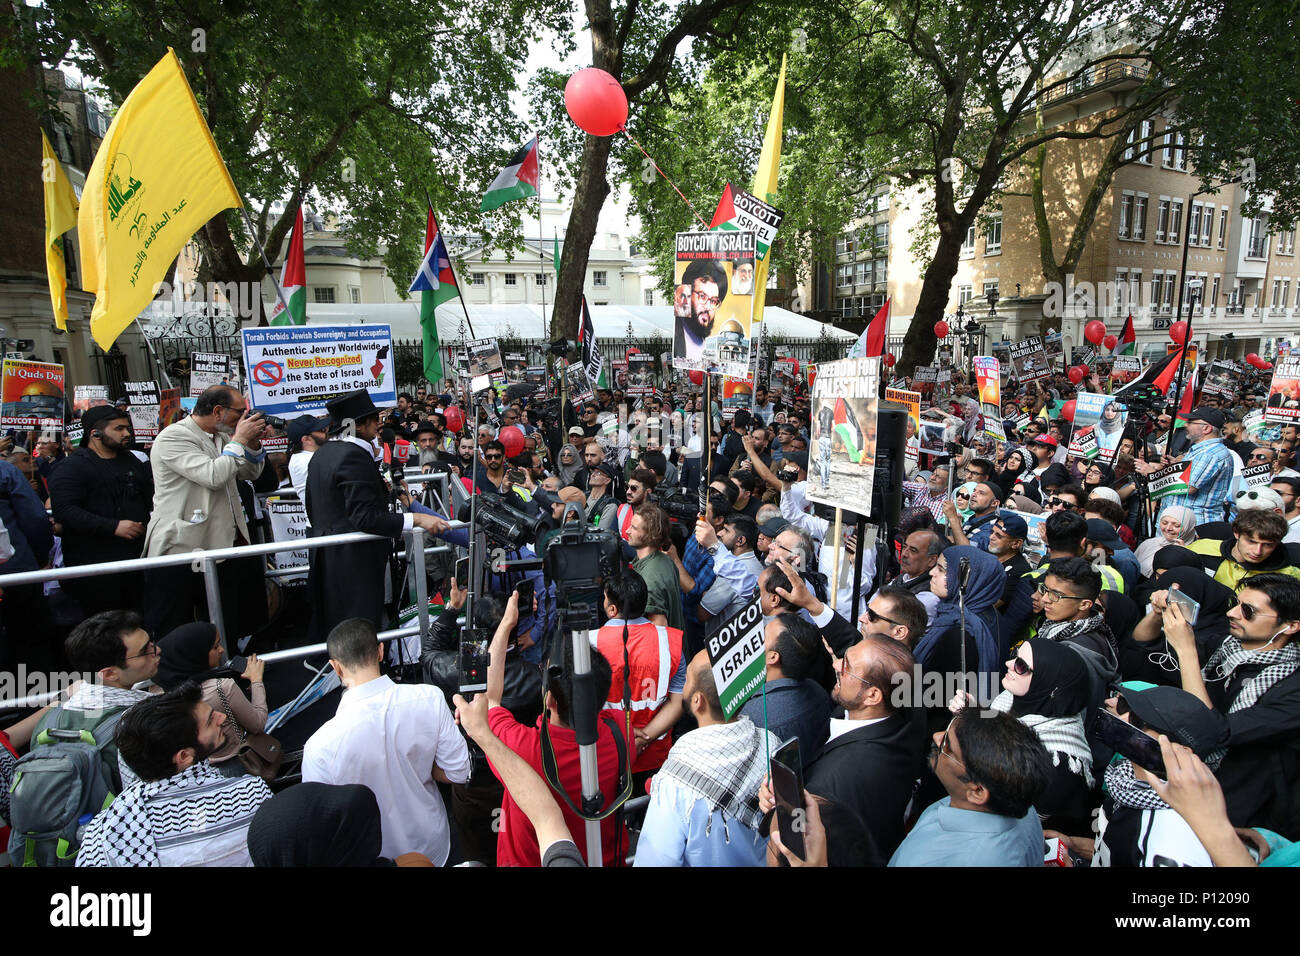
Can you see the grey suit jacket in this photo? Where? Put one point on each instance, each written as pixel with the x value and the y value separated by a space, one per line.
pixel 195 501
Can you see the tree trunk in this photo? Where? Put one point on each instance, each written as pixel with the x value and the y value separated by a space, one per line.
pixel 589 198
pixel 919 343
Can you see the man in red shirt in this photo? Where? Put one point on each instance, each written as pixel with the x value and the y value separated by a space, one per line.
pixel 516 839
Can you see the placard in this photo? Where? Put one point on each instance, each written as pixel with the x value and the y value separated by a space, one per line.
pixel 1257 476
pixel 1222 378
pixel 739 210
pixel 912 400
pixel 736 657
pixel 1099 422
pixel 295 370
pixel 575 376
pixel 1283 392
pixel 289 523
pixel 32 395
pixel 211 368
pixel 1170 480
pixel 145 399
pixel 990 389
pixel 640 375
pixel 1125 370
pixel 842 457
pixel 736 393
pixel 169 407
pixel 1029 360
pixel 85 397
pixel 712 317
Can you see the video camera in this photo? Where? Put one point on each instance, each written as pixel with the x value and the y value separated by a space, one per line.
pixel 680 504
pixel 503 524
pixel 579 559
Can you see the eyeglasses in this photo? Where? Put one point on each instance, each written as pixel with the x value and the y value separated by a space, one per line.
pixel 237 411
pixel 1060 503
pixel 1018 665
pixel 1260 456
pixel 705 299
pixel 944 749
pixel 1249 612
pixel 494 456
pixel 844 670
pixel 873 617
pixel 149 650
pixel 1056 595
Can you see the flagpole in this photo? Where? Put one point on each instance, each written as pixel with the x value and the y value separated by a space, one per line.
pixel 451 264
pixel 541 242
pixel 1187 333
pixel 270 270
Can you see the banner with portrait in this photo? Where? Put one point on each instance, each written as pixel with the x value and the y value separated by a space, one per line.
pixel 640 375
pixel 842 456
pixel 1099 422
pixel 1029 360
pixel 990 387
pixel 1284 392
pixel 713 307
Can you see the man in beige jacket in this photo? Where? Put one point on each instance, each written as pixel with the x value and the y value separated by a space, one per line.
pixel 196 463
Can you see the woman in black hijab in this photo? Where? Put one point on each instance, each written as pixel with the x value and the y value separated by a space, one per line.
pixel 1012 469
pixel 1166 559
pixel 1150 658
pixel 318 824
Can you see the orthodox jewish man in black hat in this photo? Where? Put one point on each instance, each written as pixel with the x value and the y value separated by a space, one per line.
pixel 345 493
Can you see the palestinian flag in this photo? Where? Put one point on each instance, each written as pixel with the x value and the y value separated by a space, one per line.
pixel 293 282
pixel 518 180
pixel 846 426
pixel 1163 376
pixel 1127 344
pixel 1173 479
pixel 436 283
pixel 871 343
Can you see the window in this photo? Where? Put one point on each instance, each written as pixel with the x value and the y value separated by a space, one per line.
pixel 598 279
pixel 1213 300
pixel 968 246
pixel 1121 290
pixel 882 236
pixel 882 271
pixel 354 294
pixel 1194 224
pixel 964 294
pixel 1157 286
pixel 993 237
pixel 843 276
pixel 1175 234
pixel 1132 138
pixel 539 279
pixel 1167 302
pixel 1257 244
pixel 1223 226
pixel 323 295
pixel 511 278
pixel 1286 293
pixel 1162 220
pixel 1140 216
pixel 649 296
pixel 1276 298
pixel 846 245
pixel 477 278
pixel 600 303
pixel 1144 150
pixel 861 273
pixel 1126 215
pixel 990 287
pixel 1175 155
pixel 1286 243
pixel 882 202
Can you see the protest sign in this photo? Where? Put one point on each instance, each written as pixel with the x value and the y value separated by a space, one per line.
pixel 516 364
pixel 289 523
pixel 736 393
pixel 575 376
pixel 842 458
pixel 1126 369
pixel 145 399
pixel 1190 359
pixel 1083 355
pixel 211 368
pixel 88 396
pixel 1283 393
pixel 169 407
pixel 1054 345
pixel 1258 430
pixel 1222 378
pixel 1099 422
pixel 990 387
pixel 295 370
pixel 712 317
pixel 535 376
pixel 1002 352
pixel 640 375
pixel 739 210
pixel 1169 480
pixel 912 400
pixel 1035 542
pixel 1029 360
pixel 32 395
pixel 938 431
pixel 736 657
pixel 1257 476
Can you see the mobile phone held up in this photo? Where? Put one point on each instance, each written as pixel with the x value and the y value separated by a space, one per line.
pixel 473 660
pixel 462 573
pixel 786 771
pixel 525 590
pixel 1127 741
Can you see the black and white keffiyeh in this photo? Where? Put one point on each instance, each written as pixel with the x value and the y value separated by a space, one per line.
pixel 1128 791
pixel 8 765
pixel 97 698
pixel 1062 736
pixel 724 764
pixel 153 818
pixel 1277 665
pixel 1072 630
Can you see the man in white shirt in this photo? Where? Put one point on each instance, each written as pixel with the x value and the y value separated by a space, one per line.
pixel 306 434
pixel 396 739
pixel 1288 489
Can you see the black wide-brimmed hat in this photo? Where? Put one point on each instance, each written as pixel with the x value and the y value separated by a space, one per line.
pixel 354 405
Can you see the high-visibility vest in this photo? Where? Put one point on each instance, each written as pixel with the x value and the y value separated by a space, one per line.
pixel 653 655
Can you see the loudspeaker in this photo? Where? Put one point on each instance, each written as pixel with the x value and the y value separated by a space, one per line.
pixel 891 446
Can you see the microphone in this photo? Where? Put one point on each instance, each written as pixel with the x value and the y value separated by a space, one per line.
pixel 963 573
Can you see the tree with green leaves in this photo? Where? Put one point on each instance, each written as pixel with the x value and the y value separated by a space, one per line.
pixel 358 106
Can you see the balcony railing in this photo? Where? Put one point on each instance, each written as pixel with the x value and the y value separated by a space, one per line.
pixel 1099 76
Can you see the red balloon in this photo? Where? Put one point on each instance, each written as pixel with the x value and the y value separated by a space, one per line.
pixel 889 360
pixel 596 102
pixel 697 377
pixel 1095 331
pixel 455 419
pixel 1076 374
pixel 1067 411
pixel 1110 342
pixel 1254 359
pixel 512 438
pixel 1178 332
pixel 1266 367
pixel 940 329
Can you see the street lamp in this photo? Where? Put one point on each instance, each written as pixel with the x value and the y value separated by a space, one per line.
pixel 972 332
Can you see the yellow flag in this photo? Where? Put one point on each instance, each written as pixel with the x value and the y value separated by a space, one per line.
pixel 769 167
pixel 60 216
pixel 156 179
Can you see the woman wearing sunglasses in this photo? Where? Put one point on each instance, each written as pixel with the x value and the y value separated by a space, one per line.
pixel 1046 687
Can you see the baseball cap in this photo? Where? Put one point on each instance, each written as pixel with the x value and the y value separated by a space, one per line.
pixel 1258 499
pixel 1181 717
pixel 773 526
pixel 1014 525
pixel 1102 533
pixel 96 415
pixel 1045 438
pixel 578 429
pixel 1211 416
pixel 303 426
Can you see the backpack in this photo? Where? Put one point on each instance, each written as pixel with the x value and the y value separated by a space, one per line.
pixel 68 776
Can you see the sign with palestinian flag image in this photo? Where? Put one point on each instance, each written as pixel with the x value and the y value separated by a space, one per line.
pixel 1169 480
pixel 842 459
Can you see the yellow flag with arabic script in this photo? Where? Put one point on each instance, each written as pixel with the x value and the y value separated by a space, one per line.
pixel 156 179
pixel 769 168
pixel 60 216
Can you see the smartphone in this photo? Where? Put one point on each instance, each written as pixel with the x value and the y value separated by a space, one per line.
pixel 786 770
pixel 515 475
pixel 1127 741
pixel 1190 606
pixel 462 572
pixel 473 660
pixel 525 591
pixel 238 664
